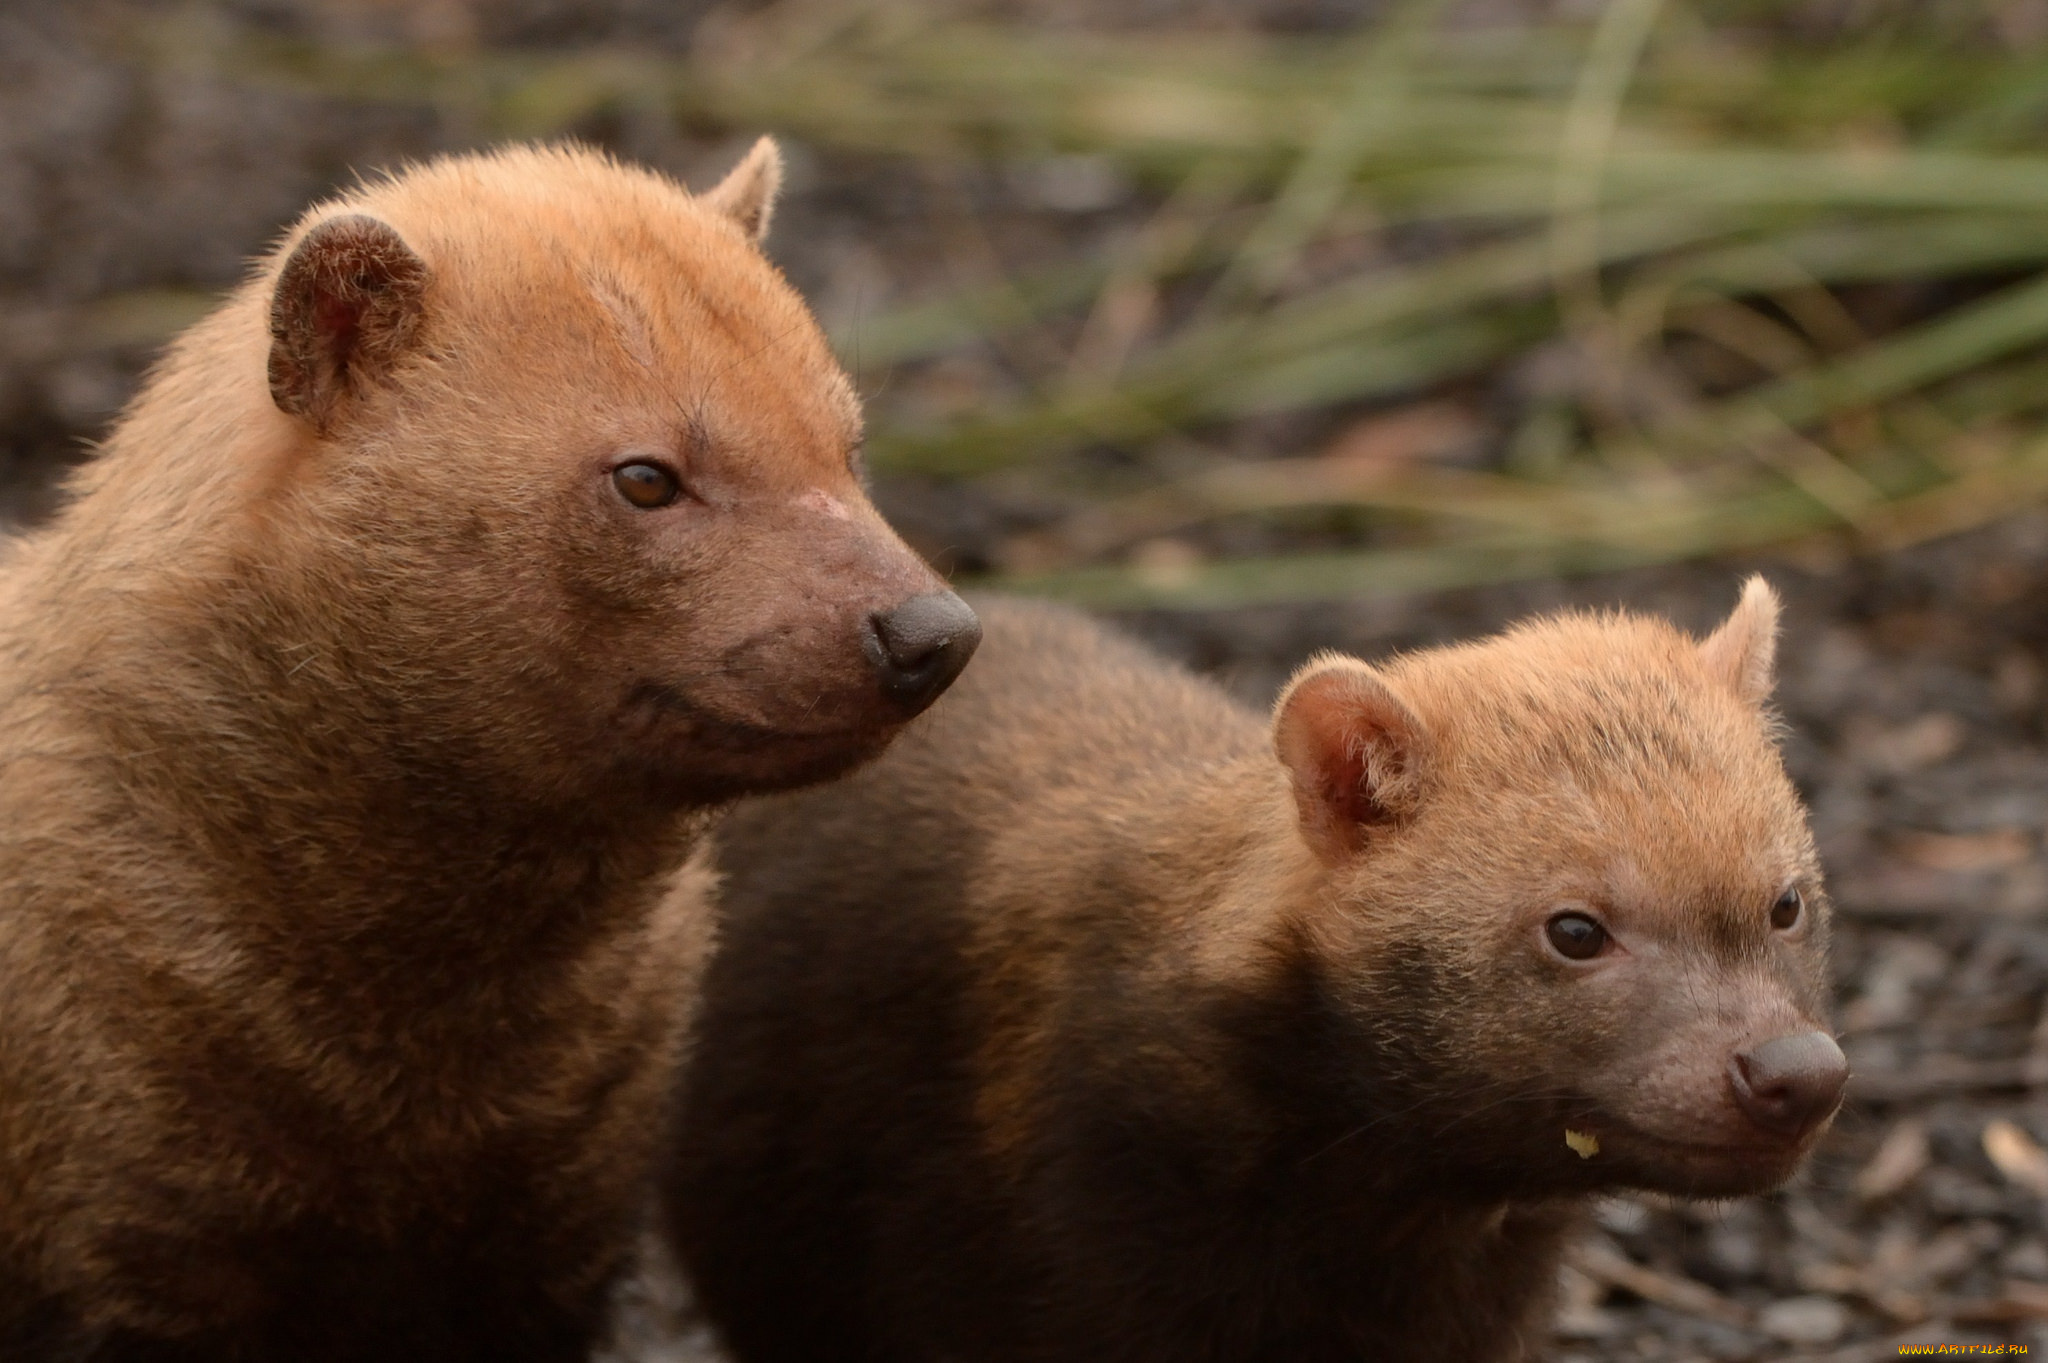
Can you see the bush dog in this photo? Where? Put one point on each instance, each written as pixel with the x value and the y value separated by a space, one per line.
pixel 355 719
pixel 1099 1021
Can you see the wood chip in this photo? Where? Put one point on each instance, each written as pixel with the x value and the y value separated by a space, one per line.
pixel 1901 1157
pixel 2018 1156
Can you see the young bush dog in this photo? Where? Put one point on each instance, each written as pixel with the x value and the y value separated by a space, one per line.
pixel 355 719
pixel 1099 1021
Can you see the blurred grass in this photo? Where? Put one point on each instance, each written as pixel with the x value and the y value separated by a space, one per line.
pixel 1783 287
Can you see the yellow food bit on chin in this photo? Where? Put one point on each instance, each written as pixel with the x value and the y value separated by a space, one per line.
pixel 1584 1144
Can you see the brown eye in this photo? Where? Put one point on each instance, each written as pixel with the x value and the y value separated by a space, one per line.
pixel 1575 936
pixel 646 485
pixel 1785 913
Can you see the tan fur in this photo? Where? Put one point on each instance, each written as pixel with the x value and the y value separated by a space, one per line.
pixel 747 194
pixel 1743 652
pixel 1079 1026
pixel 351 729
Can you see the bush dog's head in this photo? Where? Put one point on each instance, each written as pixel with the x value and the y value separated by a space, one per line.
pixel 1568 864
pixel 582 462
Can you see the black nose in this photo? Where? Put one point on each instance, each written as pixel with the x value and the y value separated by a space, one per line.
pixel 921 646
pixel 1790 1084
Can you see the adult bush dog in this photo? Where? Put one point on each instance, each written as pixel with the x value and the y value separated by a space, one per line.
pixel 1101 1020
pixel 356 717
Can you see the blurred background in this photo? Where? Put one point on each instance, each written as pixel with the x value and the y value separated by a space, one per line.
pixel 1272 325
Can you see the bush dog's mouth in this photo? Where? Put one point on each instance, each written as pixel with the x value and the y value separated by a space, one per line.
pixel 723 732
pixel 715 756
pixel 1628 1157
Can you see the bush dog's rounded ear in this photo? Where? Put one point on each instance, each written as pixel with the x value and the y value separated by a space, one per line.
pixel 747 193
pixel 1743 652
pixel 347 304
pixel 1358 757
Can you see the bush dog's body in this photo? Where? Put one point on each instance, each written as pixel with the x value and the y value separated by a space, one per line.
pixel 1080 1028
pixel 354 721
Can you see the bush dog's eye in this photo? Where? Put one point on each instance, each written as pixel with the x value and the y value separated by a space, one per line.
pixel 1575 936
pixel 1785 913
pixel 646 485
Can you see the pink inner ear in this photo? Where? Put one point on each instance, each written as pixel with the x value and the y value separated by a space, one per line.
pixel 1356 795
pixel 1330 738
pixel 1357 755
pixel 1344 782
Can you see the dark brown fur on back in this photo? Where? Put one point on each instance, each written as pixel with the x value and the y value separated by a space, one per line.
pixel 1047 1039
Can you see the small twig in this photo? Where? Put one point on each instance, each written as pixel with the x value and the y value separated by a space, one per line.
pixel 1604 1264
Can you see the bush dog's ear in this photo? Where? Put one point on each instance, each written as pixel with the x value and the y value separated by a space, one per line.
pixel 1357 755
pixel 747 193
pixel 347 304
pixel 1742 654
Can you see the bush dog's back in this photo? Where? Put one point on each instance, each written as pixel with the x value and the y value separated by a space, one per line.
pixel 1101 1021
